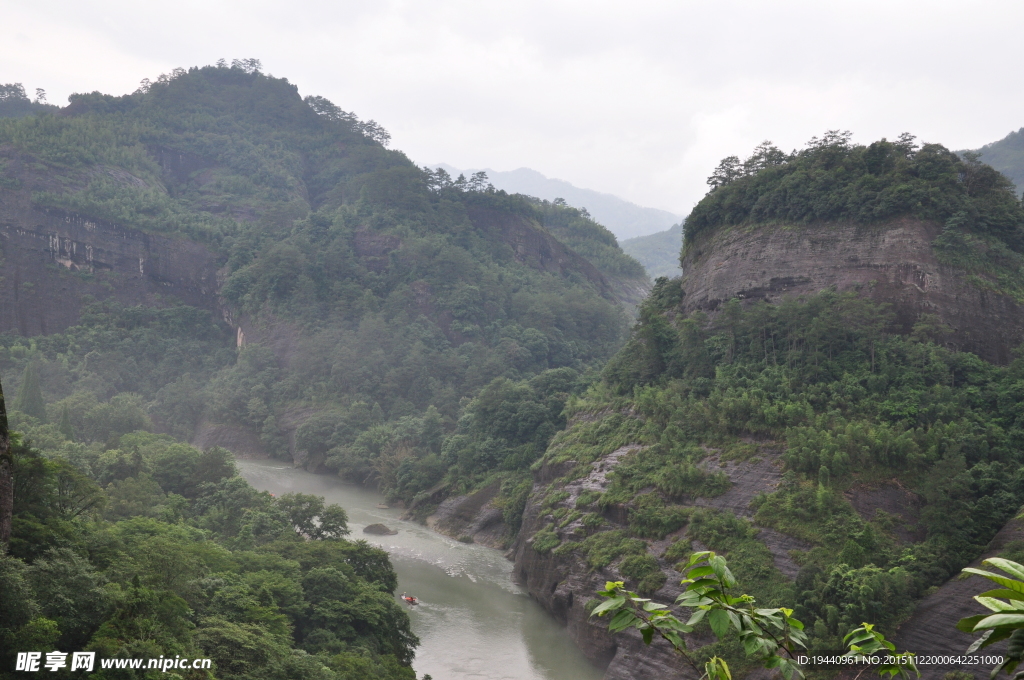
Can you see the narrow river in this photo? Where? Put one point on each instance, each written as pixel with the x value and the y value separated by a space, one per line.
pixel 472 621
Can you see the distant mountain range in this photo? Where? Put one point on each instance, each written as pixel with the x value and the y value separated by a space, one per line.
pixel 621 217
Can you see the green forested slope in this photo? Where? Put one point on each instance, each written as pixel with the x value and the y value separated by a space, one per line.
pixel 162 550
pixel 834 180
pixel 658 253
pixel 1006 156
pixel 823 385
pixel 403 292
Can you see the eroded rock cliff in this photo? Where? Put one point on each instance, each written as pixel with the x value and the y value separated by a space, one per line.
pixel 893 262
pixel 53 262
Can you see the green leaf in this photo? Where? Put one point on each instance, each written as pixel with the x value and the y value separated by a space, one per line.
pixel 1003 592
pixel 697 617
pixel 719 621
pixel 967 624
pixel 697 557
pixel 699 572
pixel 622 620
pixel 676 641
pixel 613 603
pixel 1009 566
pixel 1001 580
pixel 648 635
pixel 996 620
pixel 998 605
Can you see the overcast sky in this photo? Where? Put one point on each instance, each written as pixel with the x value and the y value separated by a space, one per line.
pixel 640 99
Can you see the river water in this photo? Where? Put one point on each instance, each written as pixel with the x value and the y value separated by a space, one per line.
pixel 472 621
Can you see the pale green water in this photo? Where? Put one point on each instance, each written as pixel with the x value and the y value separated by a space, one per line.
pixel 472 621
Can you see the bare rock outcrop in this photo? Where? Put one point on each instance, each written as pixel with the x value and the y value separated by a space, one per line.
pixel 931 629
pixel 473 516
pixel 564 583
pixel 52 261
pixel 892 262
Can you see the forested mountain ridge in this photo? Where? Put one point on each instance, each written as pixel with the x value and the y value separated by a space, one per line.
pixel 343 302
pixel 625 219
pixel 658 253
pixel 921 229
pixel 215 259
pixel 835 438
pixel 1006 156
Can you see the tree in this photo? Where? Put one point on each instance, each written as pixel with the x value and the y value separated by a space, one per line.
pixel 65 426
pixel 30 396
pixel 6 478
pixel 765 155
pixel 312 518
pixel 771 635
pixel 727 171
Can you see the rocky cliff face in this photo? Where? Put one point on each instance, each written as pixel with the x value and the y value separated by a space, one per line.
pixel 892 262
pixel 53 262
pixel 931 629
pixel 563 584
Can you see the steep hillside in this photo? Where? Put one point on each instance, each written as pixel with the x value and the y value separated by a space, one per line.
pixel 1007 156
pixel 360 299
pixel 801 401
pixel 920 229
pixel 658 253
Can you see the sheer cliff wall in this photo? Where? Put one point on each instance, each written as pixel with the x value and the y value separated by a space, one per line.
pixel 893 263
pixel 53 263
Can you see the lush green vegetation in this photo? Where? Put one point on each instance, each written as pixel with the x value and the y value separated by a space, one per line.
pixel 576 229
pixel 14 103
pixel 769 637
pixel 1007 156
pixel 832 180
pixel 404 300
pixel 658 253
pixel 846 405
pixel 156 548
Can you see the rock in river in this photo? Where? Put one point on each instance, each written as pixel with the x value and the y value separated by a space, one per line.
pixel 379 530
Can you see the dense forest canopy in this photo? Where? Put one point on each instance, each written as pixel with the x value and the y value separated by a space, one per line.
pixel 1007 156
pixel 834 180
pixel 404 292
pixel 821 386
pixel 163 550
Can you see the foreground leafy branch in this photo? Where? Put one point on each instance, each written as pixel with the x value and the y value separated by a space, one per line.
pixel 1007 619
pixel 772 636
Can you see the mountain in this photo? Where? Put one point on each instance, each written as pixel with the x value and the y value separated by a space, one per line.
pixel 1007 156
pixel 658 253
pixel 215 262
pixel 825 397
pixel 621 217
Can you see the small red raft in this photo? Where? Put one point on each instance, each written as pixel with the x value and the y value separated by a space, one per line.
pixel 410 599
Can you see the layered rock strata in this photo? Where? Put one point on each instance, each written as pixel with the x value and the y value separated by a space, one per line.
pixel 892 263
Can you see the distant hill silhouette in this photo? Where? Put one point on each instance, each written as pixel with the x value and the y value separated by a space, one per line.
pixel 1006 156
pixel 621 217
pixel 658 253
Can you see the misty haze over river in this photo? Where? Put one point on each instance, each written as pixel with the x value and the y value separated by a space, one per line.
pixel 473 622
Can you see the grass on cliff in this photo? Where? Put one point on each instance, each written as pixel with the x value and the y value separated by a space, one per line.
pixel 850 403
